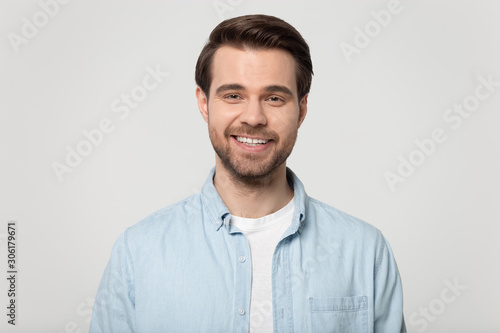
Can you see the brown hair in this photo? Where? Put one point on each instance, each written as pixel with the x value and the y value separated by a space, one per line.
pixel 256 32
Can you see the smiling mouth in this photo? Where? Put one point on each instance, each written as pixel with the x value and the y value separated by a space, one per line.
pixel 251 142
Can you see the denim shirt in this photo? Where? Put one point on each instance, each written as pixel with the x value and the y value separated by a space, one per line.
pixel 185 268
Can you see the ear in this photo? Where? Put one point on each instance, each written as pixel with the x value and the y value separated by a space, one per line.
pixel 303 109
pixel 202 103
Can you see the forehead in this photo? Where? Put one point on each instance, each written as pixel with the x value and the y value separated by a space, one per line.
pixel 253 69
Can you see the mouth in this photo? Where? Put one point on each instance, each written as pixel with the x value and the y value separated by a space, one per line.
pixel 251 142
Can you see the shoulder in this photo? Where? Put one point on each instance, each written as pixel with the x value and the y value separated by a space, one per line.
pixel 174 216
pixel 340 232
pixel 329 219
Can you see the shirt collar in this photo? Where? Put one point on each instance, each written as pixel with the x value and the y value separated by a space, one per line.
pixel 301 201
pixel 219 214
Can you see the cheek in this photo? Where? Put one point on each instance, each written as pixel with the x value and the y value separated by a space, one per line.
pixel 285 117
pixel 221 114
pixel 218 125
pixel 285 126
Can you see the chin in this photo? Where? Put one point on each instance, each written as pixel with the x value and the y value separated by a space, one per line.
pixel 250 172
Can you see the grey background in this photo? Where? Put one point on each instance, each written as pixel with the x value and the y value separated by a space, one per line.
pixel 442 221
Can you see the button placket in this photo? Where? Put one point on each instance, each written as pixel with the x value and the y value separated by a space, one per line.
pixel 243 281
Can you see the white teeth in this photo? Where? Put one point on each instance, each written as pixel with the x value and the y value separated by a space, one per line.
pixel 251 142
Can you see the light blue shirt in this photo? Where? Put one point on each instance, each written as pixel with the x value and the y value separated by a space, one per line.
pixel 185 268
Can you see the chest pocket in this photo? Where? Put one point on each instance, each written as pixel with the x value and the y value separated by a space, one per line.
pixel 339 314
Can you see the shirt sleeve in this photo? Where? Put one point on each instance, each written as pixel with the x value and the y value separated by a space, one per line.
pixel 388 291
pixel 114 305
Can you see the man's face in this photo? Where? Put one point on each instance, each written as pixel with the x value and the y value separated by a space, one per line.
pixel 252 111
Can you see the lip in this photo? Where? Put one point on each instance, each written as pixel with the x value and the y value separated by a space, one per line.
pixel 255 149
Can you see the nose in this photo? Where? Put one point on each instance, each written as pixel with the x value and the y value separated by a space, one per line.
pixel 253 114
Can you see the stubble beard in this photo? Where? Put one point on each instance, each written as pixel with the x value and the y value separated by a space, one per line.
pixel 249 169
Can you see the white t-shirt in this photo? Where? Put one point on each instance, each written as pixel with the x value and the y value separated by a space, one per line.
pixel 263 235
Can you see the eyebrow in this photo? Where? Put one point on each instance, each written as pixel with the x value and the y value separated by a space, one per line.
pixel 271 88
pixel 226 87
pixel 277 88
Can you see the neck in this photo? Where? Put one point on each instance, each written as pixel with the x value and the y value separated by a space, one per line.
pixel 254 200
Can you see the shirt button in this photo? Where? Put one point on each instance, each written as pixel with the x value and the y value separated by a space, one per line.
pixel 242 259
pixel 241 311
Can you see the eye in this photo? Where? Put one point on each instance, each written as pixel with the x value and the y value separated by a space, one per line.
pixel 232 98
pixel 275 100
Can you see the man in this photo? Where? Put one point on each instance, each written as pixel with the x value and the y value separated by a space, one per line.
pixel 251 252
